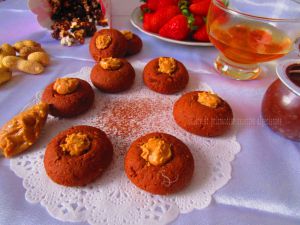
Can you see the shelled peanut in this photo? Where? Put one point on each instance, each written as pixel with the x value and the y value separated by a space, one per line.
pixel 26 56
pixel 26 66
pixel 5 73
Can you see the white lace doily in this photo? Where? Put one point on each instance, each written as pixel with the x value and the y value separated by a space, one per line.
pixel 113 199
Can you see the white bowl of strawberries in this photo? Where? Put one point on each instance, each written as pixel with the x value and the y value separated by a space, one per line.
pixel 178 21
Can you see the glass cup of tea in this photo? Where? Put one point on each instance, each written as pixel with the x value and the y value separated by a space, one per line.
pixel 249 32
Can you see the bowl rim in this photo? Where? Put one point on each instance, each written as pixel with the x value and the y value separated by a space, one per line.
pixel 281 73
pixel 261 18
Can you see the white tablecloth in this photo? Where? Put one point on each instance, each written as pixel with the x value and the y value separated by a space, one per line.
pixel 265 184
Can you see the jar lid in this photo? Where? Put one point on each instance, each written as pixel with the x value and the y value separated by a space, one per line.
pixel 284 73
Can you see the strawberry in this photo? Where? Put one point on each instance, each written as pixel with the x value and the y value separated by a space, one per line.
pixel 162 16
pixel 199 21
pixel 193 22
pixel 201 34
pixel 195 1
pixel 200 8
pixel 176 28
pixel 145 8
pixel 165 3
pixel 147 21
pixel 152 4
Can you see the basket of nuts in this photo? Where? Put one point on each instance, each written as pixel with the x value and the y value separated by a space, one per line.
pixel 71 21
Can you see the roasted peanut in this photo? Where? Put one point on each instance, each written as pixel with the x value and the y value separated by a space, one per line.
pixel 7 50
pixel 3 67
pixel 26 66
pixel 26 50
pixel 31 43
pixel 5 75
pixel 26 43
pixel 40 57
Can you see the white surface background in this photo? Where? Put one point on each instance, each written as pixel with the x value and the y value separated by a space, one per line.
pixel 265 184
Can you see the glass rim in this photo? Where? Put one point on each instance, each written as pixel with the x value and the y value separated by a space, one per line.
pixel 269 19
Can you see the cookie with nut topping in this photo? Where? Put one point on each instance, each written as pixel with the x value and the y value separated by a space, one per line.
pixel 68 97
pixel 159 163
pixel 134 43
pixel 203 113
pixel 108 43
pixel 78 156
pixel 165 75
pixel 112 75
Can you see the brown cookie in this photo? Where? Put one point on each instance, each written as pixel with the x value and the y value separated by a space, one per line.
pixel 203 113
pixel 108 43
pixel 165 78
pixel 72 104
pixel 134 43
pixel 171 176
pixel 113 75
pixel 80 169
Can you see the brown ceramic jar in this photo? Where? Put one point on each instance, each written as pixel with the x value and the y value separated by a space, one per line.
pixel 281 103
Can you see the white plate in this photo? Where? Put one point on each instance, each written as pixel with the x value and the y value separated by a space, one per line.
pixel 138 23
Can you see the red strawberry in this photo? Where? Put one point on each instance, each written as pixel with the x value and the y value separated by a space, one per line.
pixel 200 8
pixel 162 16
pixel 176 28
pixel 147 21
pixel 152 4
pixel 201 34
pixel 195 1
pixel 199 21
pixel 164 3
pixel 144 8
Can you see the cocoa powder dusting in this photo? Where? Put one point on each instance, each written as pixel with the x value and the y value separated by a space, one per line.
pixel 129 116
pixel 124 120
